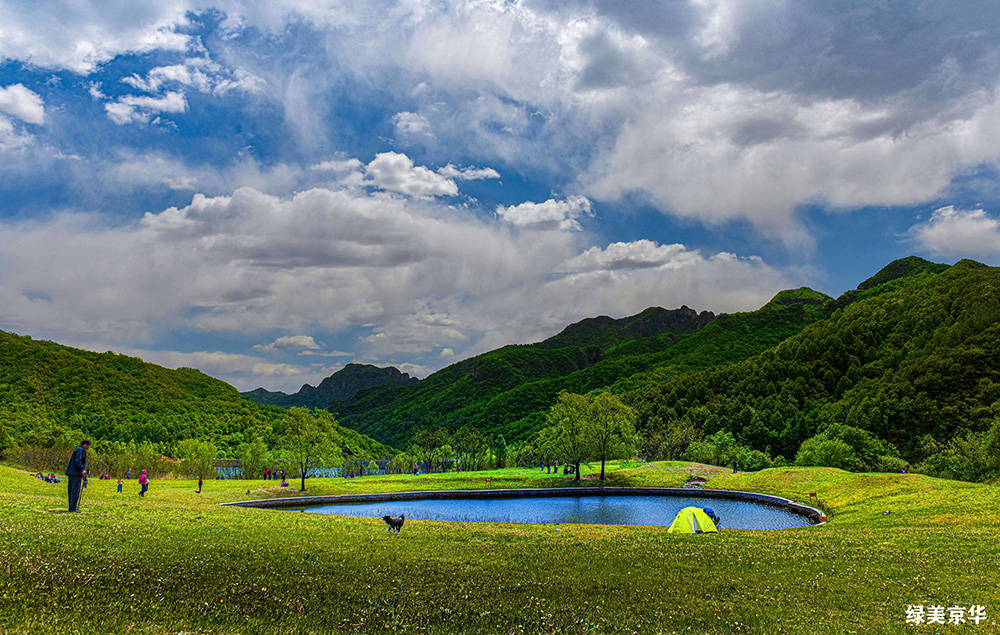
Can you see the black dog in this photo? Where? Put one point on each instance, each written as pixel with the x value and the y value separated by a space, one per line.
pixel 395 524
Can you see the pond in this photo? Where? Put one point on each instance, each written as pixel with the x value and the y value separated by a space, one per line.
pixel 597 510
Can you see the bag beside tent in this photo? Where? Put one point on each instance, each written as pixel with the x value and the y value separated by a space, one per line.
pixel 692 520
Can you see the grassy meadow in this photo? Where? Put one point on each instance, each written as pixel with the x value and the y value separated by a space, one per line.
pixel 176 562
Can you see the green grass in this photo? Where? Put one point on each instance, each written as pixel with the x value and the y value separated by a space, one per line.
pixel 176 562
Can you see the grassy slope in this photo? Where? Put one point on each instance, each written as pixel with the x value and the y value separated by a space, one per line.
pixel 176 562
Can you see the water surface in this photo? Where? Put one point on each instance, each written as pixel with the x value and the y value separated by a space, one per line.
pixel 596 510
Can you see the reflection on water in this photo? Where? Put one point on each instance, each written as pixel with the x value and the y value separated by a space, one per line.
pixel 596 510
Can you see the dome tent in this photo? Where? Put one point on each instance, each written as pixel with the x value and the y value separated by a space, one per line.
pixel 692 520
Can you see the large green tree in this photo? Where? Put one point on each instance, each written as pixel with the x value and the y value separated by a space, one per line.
pixel 611 429
pixel 566 436
pixel 308 441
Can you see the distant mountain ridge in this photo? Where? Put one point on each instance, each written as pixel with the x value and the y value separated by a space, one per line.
pixel 343 384
pixel 507 390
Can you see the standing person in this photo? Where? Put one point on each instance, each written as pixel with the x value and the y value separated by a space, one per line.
pixel 119 485
pixel 199 485
pixel 76 471
pixel 144 482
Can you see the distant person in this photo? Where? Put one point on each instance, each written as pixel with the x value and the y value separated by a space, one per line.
pixel 128 474
pixel 734 467
pixel 199 485
pixel 76 470
pixel 120 483
pixel 144 482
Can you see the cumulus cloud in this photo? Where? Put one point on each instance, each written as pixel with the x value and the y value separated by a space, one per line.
pixel 139 109
pixel 552 214
pixel 722 153
pixel 87 34
pixel 640 254
pixel 23 103
pixel 956 233
pixel 291 343
pixel 396 172
pixel 419 276
pixel 468 174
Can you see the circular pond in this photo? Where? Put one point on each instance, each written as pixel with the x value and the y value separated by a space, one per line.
pixel 594 509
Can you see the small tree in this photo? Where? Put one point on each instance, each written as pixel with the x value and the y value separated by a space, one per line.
pixel 308 440
pixel 611 429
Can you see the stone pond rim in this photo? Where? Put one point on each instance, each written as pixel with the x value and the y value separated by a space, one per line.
pixel 815 516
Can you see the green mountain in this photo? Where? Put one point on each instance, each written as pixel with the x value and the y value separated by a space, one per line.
pixel 508 391
pixel 915 361
pixel 47 389
pixel 343 384
pixel 908 357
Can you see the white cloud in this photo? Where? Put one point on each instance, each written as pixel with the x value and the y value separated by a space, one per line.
pixel 421 276
pixel 468 174
pixel 723 153
pixel 199 73
pixel 136 109
pixel 326 354
pixel 552 214
pixel 22 103
pixel 956 233
pixel 410 124
pixel 641 254
pixel 414 370
pixel 340 166
pixel 80 36
pixel 395 172
pixel 291 343
pixel 11 139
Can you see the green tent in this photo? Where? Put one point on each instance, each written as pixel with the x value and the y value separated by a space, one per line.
pixel 692 520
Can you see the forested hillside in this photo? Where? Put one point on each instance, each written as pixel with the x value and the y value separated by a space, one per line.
pixel 47 389
pixel 509 391
pixel 916 362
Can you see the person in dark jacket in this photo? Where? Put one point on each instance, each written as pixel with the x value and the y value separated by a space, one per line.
pixel 76 471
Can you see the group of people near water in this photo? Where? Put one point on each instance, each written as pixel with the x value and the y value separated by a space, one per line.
pixel 551 468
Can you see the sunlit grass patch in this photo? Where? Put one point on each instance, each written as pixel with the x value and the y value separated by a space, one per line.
pixel 176 561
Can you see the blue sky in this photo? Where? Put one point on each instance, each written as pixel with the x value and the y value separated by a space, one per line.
pixel 269 191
